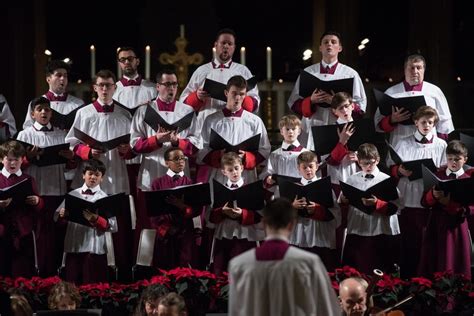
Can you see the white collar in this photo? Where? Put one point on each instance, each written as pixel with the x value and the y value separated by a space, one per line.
pixel 305 182
pixel 342 121
pixel 103 104
pixel 226 64
pixel 323 63
pixel 284 145
pixel 458 173
pixel 7 174
pixel 38 126
pixel 134 77
pixel 277 237
pixel 171 173
pixel 419 136
pixel 55 94
pixel 239 183
pixel 94 189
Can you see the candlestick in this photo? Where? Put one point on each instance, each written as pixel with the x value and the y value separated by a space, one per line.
pixel 269 63
pixel 213 53
pixel 242 55
pixel 147 62
pixel 181 31
pixel 119 69
pixel 92 61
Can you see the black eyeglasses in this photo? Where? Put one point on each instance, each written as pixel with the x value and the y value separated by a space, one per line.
pixel 169 84
pixel 130 59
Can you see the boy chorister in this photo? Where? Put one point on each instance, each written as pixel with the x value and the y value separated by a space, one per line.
pixel 315 232
pixel 102 120
pixel 237 229
pixel 422 144
pixel 17 217
pixel 51 180
pixel 234 125
pixel 447 244
pixel 176 241
pixel 378 231
pixel 85 247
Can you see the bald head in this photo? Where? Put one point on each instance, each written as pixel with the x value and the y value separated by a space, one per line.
pixel 353 296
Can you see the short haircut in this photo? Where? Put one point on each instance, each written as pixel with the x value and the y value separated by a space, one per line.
pixel 126 49
pixel 226 31
pixel 456 147
pixel 290 120
pixel 168 152
pixel 94 165
pixel 414 58
pixel 13 148
pixel 164 71
pixel 150 294
pixel 174 299
pixel 39 101
pixel 339 98
pixel 236 81
pixel 230 158
pixel 61 290
pixel 337 34
pixel 359 280
pixel 279 213
pixel 426 111
pixel 56 64
pixel 367 151
pixel 307 157
pixel 105 74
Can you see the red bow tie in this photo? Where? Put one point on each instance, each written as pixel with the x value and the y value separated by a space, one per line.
pixel 57 98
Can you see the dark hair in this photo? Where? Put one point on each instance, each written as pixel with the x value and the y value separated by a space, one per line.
pixel 279 213
pixel 340 98
pixel 236 81
pixel 456 147
pixel 164 71
pixel 150 293
pixel 55 64
pixel 367 151
pixel 94 165
pixel 427 111
pixel 63 289
pixel 174 299
pixel 226 31
pixel 39 101
pixel 125 49
pixel 307 157
pixel 105 74
pixel 230 158
pixel 13 148
pixel 168 152
pixel 414 58
pixel 337 34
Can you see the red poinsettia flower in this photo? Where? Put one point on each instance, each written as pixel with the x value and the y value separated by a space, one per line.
pixel 422 281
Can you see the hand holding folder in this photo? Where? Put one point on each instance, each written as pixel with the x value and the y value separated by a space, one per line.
pixel 309 83
pixel 155 121
pixel 103 146
pixel 412 165
pixel 47 156
pixel 388 104
pixel 250 196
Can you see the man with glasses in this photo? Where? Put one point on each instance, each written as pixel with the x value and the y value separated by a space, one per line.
pixel 163 123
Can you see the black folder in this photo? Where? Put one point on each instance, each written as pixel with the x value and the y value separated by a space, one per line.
pixel 64 121
pixel 280 178
pixel 19 191
pixel 48 155
pixel 413 165
pixel 106 207
pixel 103 146
pixel 319 191
pixel 154 119
pixel 468 141
pixel 309 83
pixel 216 142
pixel 385 103
pixel 385 190
pixel 250 196
pixel 194 195
pixel 216 89
pixel 325 137
pixel 461 190
pixel 129 110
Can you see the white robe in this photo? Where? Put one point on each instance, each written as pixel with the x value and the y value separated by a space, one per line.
pixel 297 285
pixel 324 116
pixel 434 97
pixel 153 163
pixel 221 75
pixel 103 127
pixel 50 179
pixel 7 118
pixel 133 96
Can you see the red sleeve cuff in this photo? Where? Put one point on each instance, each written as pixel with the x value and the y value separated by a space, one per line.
pixel 394 171
pixel 250 160
pixel 187 147
pixel 428 199
pixel 337 154
pixel 249 104
pixel 194 101
pixel 443 136
pixel 319 213
pixel 248 217
pixel 82 151
pixel 213 158
pixel 101 223
pixel 385 125
pixel 306 108
pixel 385 208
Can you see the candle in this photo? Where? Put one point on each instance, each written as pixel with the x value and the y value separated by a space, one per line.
pixel 242 55
pixel 213 53
pixel 92 61
pixel 181 31
pixel 147 62
pixel 269 63
pixel 119 70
